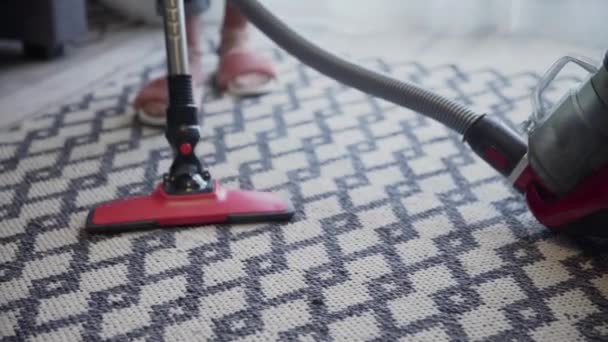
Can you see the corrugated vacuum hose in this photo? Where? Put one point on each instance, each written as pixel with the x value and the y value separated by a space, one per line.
pixel 448 112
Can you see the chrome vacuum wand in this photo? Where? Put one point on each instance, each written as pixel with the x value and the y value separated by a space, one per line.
pixel 186 174
pixel 175 37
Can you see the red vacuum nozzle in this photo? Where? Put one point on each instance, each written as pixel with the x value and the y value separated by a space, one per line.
pixel 160 209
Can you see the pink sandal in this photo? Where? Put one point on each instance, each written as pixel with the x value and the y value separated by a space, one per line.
pixel 243 72
pixel 151 103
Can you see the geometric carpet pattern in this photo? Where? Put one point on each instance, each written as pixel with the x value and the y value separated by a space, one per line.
pixel 401 232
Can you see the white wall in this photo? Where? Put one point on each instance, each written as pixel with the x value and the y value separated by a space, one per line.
pixel 582 21
pixel 576 21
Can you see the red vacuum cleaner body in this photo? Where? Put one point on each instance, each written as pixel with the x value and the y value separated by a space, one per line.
pixel 583 211
pixel 187 195
pixel 563 169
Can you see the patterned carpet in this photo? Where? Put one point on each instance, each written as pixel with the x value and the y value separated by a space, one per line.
pixel 400 232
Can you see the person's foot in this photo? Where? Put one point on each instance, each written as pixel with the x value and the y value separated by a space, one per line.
pixel 242 71
pixel 152 100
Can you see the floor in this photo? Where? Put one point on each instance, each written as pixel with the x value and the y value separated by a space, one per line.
pixel 399 232
pixel 27 88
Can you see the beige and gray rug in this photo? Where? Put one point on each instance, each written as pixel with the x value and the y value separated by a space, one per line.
pixel 401 233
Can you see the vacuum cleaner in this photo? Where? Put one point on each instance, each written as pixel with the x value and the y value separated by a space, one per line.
pixel 562 170
pixel 187 194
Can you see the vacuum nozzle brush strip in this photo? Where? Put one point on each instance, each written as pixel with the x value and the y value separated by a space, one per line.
pixel 437 107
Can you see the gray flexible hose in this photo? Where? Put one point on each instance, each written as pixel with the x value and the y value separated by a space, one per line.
pixel 437 107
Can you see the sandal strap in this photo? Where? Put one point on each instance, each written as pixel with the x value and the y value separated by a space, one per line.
pixel 232 38
pixel 241 61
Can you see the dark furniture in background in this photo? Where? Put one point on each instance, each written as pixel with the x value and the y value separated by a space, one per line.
pixel 43 26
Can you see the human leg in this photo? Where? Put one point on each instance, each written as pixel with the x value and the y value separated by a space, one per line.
pixel 151 102
pixel 242 71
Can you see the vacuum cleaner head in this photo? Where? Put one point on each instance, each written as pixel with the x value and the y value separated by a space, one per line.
pixel 160 209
